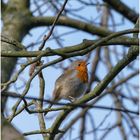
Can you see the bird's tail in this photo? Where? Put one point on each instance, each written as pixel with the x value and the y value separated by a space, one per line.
pixel 50 105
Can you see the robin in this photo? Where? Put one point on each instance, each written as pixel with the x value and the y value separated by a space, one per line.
pixel 72 83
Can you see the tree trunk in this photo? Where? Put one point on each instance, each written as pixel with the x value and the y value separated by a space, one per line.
pixel 14 16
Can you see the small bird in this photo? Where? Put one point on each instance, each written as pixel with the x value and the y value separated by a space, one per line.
pixel 72 83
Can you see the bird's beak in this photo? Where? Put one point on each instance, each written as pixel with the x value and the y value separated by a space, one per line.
pixel 87 63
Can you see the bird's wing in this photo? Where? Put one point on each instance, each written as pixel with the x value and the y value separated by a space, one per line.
pixel 62 79
pixel 56 92
pixel 68 73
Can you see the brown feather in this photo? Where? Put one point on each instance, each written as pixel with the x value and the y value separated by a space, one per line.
pixel 56 93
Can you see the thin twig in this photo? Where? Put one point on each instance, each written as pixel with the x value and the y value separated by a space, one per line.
pixel 13 95
pixel 46 37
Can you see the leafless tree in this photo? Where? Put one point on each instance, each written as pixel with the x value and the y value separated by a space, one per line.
pixel 113 70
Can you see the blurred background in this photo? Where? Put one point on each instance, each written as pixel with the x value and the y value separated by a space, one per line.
pixel 101 17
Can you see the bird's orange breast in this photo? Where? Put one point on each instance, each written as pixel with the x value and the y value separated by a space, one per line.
pixel 82 74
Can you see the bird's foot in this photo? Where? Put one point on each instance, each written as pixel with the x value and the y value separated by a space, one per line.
pixel 71 99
